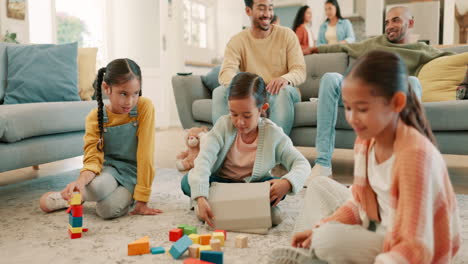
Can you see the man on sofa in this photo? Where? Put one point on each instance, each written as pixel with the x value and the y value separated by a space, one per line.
pixel 398 24
pixel 271 51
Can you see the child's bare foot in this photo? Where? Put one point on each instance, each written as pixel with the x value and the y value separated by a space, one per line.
pixel 52 201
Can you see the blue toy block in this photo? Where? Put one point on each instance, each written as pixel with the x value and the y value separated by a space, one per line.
pixel 180 247
pixel 212 256
pixel 157 250
pixel 75 221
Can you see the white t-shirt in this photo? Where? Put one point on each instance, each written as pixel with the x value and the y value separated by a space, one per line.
pixel 310 34
pixel 330 35
pixel 380 179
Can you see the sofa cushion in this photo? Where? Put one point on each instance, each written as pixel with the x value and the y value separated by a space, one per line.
pixel 316 66
pixel 305 114
pixel 210 80
pixel 86 72
pixel 42 73
pixel 22 121
pixel 201 110
pixel 440 77
pixel 3 68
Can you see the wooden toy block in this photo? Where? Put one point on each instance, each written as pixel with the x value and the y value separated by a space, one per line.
pixel 241 241
pixel 175 234
pixel 215 244
pixel 195 238
pixel 75 210
pixel 212 256
pixel 75 229
pixel 75 199
pixel 205 239
pixel 223 231
pixel 220 236
pixel 139 247
pixel 194 251
pixel 85 230
pixel 74 235
pixel 179 247
pixel 188 230
pixel 205 248
pixel 182 226
pixel 157 250
pixel 75 221
pixel 196 261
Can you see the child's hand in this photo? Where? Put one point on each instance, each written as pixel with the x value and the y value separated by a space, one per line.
pixel 76 186
pixel 278 189
pixel 204 211
pixel 302 239
pixel 141 208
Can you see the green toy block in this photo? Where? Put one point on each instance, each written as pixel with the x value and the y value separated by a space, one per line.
pixel 188 230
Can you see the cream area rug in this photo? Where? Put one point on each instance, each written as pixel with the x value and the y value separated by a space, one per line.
pixel 27 235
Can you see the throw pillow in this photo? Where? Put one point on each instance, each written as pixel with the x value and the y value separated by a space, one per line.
pixel 42 73
pixel 3 68
pixel 210 80
pixel 86 72
pixel 440 77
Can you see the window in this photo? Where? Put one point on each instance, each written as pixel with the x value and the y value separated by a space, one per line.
pixel 196 23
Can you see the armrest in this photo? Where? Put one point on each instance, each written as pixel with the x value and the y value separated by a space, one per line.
pixel 187 89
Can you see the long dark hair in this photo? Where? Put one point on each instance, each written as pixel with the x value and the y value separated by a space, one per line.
pixel 387 72
pixel 246 84
pixel 337 6
pixel 299 20
pixel 117 72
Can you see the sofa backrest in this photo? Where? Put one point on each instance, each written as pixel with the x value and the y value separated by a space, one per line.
pixel 316 66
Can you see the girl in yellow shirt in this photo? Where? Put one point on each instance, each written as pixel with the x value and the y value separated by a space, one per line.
pixel 119 148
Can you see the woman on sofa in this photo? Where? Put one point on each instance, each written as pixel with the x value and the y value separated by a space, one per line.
pixel 301 27
pixel 335 29
pixel 118 150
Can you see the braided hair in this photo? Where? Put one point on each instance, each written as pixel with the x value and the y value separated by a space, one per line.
pixel 117 72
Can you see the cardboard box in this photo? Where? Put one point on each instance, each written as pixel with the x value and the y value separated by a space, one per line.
pixel 241 206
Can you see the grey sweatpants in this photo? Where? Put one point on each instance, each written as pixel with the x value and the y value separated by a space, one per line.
pixel 335 242
pixel 113 200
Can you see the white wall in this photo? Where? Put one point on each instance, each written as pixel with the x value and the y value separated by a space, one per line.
pixel 42 21
pixel 449 22
pixel 374 17
pixel 20 27
pixel 231 18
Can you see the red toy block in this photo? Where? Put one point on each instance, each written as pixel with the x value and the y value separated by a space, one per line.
pixel 74 235
pixel 85 230
pixel 75 210
pixel 196 261
pixel 223 231
pixel 175 234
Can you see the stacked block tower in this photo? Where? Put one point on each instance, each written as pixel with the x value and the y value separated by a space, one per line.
pixel 75 217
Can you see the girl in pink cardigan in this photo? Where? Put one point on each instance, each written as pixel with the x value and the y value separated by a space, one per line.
pixel 401 207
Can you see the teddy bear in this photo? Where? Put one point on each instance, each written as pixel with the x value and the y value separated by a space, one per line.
pixel 186 158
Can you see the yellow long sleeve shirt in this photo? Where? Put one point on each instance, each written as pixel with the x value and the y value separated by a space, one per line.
pixel 278 55
pixel 94 159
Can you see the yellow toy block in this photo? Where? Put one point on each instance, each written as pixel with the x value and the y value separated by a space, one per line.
pixel 195 238
pixel 220 236
pixel 75 230
pixel 194 251
pixel 205 248
pixel 75 199
pixel 205 239
pixel 215 244
pixel 139 247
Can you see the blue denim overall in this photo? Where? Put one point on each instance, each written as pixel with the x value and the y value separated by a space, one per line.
pixel 113 188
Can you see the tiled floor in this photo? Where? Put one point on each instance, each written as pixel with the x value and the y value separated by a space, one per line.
pixel 170 141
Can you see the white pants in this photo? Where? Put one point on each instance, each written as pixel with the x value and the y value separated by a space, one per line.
pixel 335 242
pixel 113 200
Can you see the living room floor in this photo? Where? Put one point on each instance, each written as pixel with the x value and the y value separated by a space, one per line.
pixel 169 142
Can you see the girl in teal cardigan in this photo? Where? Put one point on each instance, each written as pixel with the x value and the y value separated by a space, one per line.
pixel 243 147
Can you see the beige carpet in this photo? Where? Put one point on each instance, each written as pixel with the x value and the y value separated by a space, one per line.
pixel 30 236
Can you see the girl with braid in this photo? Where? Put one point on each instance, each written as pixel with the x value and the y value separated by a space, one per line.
pixel 118 150
pixel 401 207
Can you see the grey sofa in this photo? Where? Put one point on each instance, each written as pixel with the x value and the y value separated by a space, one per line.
pixel 448 119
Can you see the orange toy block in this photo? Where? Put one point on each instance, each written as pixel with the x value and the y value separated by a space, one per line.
pixel 139 247
pixel 205 239
pixel 196 261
